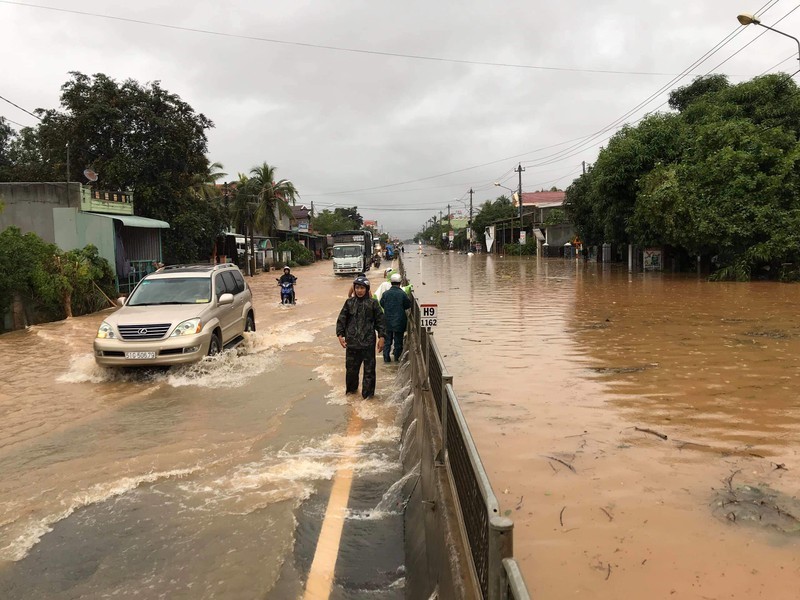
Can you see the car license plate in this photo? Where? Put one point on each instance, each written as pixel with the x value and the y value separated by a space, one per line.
pixel 140 355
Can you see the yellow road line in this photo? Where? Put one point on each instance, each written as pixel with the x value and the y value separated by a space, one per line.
pixel 320 576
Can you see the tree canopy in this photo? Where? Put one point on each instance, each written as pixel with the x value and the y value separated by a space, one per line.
pixel 718 178
pixel 137 137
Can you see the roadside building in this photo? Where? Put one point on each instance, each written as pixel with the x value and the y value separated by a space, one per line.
pixel 71 216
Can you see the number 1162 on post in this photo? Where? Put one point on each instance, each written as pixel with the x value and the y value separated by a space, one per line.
pixel 428 315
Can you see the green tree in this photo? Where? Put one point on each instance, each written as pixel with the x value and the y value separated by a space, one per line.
pixel 350 214
pixel 204 184
pixel 327 221
pixel 137 137
pixel 718 179
pixel 6 138
pixel 682 97
pixel 491 211
pixel 273 197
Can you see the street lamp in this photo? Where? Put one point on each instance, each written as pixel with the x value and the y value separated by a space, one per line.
pixel 746 19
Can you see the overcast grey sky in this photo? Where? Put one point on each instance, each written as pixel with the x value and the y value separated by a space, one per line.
pixel 351 128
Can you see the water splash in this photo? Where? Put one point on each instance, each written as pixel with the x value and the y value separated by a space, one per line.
pixel 408 441
pixel 391 498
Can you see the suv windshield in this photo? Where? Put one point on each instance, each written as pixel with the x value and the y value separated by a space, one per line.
pixel 173 290
pixel 346 251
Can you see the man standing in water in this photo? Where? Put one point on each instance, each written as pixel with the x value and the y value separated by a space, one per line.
pixel 395 303
pixel 359 319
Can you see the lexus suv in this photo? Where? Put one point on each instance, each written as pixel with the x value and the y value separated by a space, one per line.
pixel 177 315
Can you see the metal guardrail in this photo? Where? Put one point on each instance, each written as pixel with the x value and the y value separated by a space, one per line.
pixel 514 585
pixel 489 535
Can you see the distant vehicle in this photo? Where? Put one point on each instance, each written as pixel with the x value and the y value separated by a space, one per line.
pixel 177 315
pixel 390 251
pixel 352 251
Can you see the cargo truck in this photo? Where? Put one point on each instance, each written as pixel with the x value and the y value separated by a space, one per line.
pixel 352 251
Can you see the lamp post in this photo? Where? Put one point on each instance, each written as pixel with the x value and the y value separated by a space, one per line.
pixel 746 19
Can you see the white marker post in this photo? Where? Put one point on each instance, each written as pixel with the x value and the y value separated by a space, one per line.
pixel 428 319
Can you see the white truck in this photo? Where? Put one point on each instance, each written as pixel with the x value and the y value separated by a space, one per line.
pixel 352 251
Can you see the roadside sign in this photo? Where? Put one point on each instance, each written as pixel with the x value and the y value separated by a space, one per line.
pixel 428 315
pixel 522 237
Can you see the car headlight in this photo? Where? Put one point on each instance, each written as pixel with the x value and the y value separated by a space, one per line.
pixel 189 327
pixel 106 332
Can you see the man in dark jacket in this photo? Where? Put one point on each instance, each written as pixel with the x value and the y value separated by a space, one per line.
pixel 359 319
pixel 395 303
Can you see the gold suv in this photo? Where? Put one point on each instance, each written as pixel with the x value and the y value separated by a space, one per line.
pixel 177 315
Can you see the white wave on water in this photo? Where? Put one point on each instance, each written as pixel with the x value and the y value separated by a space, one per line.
pixel 293 472
pixel 392 502
pixel 31 532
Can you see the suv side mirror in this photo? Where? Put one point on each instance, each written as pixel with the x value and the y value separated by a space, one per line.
pixel 226 298
pixel 121 301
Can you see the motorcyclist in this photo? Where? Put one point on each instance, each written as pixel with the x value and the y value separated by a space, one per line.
pixel 287 277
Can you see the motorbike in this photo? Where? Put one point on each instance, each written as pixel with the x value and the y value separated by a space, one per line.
pixel 287 292
pixel 376 261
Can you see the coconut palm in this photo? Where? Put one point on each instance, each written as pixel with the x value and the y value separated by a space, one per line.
pixel 273 197
pixel 204 185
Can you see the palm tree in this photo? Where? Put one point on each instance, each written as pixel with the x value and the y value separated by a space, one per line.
pixel 204 185
pixel 245 206
pixel 273 197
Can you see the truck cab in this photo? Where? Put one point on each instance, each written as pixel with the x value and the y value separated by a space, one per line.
pixel 348 258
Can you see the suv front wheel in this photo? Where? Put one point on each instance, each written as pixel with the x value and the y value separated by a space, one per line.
pixel 250 324
pixel 215 345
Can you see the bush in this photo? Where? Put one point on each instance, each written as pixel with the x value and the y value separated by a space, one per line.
pixel 51 284
pixel 300 254
pixel 527 249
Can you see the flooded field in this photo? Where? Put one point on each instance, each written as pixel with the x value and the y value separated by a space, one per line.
pixel 642 430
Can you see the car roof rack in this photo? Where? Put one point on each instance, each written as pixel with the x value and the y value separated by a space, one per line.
pixel 195 268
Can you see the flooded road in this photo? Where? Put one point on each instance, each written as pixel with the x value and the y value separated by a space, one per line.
pixel 207 481
pixel 642 430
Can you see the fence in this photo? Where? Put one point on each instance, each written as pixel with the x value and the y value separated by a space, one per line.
pixel 489 535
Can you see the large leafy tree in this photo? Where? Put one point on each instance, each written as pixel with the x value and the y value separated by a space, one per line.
pixel 6 137
pixel 138 137
pixel 720 178
pixel 329 221
pixel 350 213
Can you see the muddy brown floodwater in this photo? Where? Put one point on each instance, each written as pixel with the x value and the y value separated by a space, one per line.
pixel 642 430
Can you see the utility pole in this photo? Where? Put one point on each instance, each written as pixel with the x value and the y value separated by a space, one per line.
pixel 519 170
pixel 470 219
pixel 311 218
pixel 583 163
pixel 67 168
pixel 449 222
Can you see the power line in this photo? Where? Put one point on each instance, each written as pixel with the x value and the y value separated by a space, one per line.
pixel 19 107
pixel 583 140
pixel 332 48
pixel 11 121
pixel 582 146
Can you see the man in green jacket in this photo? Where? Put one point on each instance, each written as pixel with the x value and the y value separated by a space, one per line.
pixel 360 318
pixel 395 302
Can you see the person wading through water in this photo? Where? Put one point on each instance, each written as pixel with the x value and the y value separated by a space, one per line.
pixel 395 303
pixel 359 320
